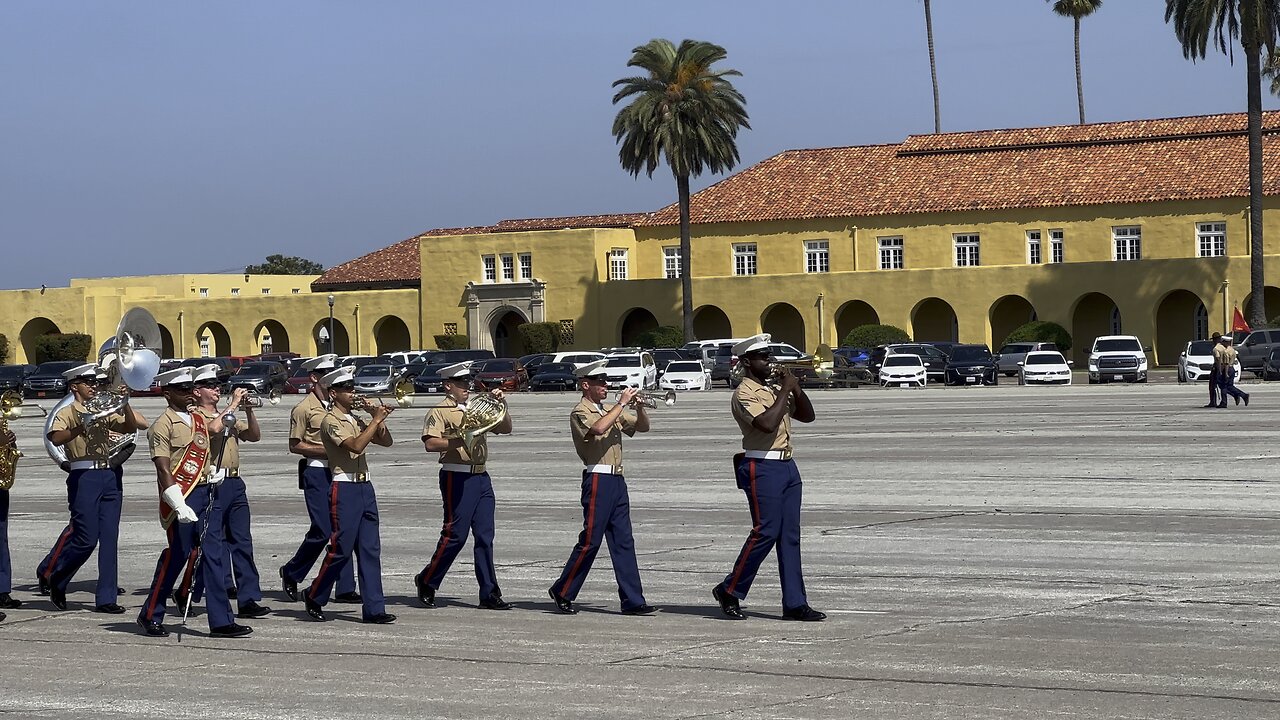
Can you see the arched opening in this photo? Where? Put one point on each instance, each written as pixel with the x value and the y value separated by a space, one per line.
pixel 213 340
pixel 507 342
pixel 1177 319
pixel 1008 314
pixel 785 324
pixel 710 323
pixel 35 327
pixel 271 336
pixel 390 334
pixel 852 314
pixel 166 343
pixel 634 322
pixel 338 344
pixel 1270 299
pixel 933 319
pixel 1095 314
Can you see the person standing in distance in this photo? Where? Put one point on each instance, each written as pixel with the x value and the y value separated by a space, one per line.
pixel 1227 385
pixel 1216 372
pixel 770 479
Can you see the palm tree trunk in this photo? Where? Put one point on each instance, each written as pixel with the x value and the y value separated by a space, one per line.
pixel 933 68
pixel 1079 81
pixel 1257 285
pixel 686 271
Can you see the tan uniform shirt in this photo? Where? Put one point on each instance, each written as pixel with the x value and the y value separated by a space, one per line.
pixel 94 444
pixel 1229 356
pixel 749 400
pixel 1220 352
pixel 231 455
pixel 304 421
pixel 603 449
pixel 335 428
pixel 443 421
pixel 169 437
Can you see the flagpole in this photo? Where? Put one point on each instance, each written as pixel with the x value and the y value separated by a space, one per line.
pixel 1226 305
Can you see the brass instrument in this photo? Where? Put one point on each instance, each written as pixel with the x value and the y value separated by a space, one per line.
pixel 820 364
pixel 253 399
pixel 402 392
pixel 130 362
pixel 651 398
pixel 10 408
pixel 483 413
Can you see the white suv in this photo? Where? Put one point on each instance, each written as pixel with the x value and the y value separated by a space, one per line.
pixel 637 370
pixel 1117 357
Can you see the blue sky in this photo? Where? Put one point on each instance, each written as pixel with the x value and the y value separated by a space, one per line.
pixel 166 136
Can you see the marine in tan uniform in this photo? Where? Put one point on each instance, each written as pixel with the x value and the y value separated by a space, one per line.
pixel 1227 383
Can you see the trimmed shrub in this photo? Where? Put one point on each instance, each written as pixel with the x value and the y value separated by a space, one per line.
pixel 63 346
pixel 667 336
pixel 1041 331
pixel 1272 323
pixel 4 349
pixel 543 337
pixel 452 342
pixel 869 336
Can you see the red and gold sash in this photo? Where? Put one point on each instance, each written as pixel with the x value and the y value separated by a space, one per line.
pixel 191 468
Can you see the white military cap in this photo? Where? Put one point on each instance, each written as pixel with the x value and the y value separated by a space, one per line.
pixel 753 344
pixel 347 373
pixel 456 370
pixel 177 376
pixel 321 363
pixel 591 369
pixel 1227 339
pixel 79 371
pixel 205 372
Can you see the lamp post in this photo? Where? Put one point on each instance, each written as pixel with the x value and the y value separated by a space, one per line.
pixel 331 345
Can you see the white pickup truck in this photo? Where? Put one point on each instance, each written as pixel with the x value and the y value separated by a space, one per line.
pixel 1117 358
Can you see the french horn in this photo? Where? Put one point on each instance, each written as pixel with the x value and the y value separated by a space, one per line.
pixel 483 413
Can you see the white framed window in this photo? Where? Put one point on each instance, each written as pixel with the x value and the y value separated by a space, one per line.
pixel 1117 324
pixel 296 291
pixel 967 249
pixel 1211 239
pixel 508 268
pixel 526 266
pixel 204 292
pixel 1056 238
pixel 618 264
pixel 1126 243
pixel 235 292
pixel 1033 247
pixel 266 291
pixel 671 261
pixel 490 266
pixel 890 252
pixel 204 346
pixel 1201 322
pixel 266 343
pixel 744 259
pixel 817 256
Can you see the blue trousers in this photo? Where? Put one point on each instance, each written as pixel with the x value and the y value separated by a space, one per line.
pixel 468 508
pixel 1213 388
pixel 606 514
pixel 6 569
pixel 355 534
pixel 94 500
pixel 773 492
pixel 42 570
pixel 183 538
pixel 242 571
pixel 1227 385
pixel 315 491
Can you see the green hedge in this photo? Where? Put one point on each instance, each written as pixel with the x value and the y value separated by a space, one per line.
pixel 667 336
pixel 1041 331
pixel 4 349
pixel 869 336
pixel 452 342
pixel 59 346
pixel 543 337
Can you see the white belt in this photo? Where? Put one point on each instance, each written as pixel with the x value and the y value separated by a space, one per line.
pixel 89 465
pixel 607 469
pixel 340 476
pixel 768 454
pixel 458 467
pixel 312 462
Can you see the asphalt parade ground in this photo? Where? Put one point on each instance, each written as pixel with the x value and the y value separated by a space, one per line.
pixel 1009 552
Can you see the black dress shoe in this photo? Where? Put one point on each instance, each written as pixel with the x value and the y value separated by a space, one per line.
pixel 42 585
pixel 426 593
pixel 119 590
pixel 1246 401
pixel 728 603
pixel 314 610
pixel 804 613
pixel 7 601
pixel 230 631
pixel 3 616
pixel 1237 402
pixel 349 598
pixel 59 598
pixel 382 618
pixel 252 609
pixel 290 587
pixel 645 609
pixel 180 599
pixel 231 593
pixel 109 608
pixel 564 606
pixel 152 628
pixel 495 602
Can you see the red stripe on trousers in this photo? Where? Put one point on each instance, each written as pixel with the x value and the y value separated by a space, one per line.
pixel 154 597
pixel 591 519
pixel 57 550
pixel 449 520
pixel 332 552
pixel 755 530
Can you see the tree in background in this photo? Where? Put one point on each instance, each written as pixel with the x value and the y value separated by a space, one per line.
pixel 685 112
pixel 1254 23
pixel 933 67
pixel 1041 331
pixel 62 346
pixel 665 336
pixel 869 336
pixel 1076 9
pixel 285 265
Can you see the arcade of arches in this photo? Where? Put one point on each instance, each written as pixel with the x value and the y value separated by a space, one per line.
pixel 635 322
pixel 1008 314
pixel 784 323
pixel 35 328
pixel 340 344
pixel 710 322
pixel 390 334
pixel 213 340
pixel 933 319
pixel 853 314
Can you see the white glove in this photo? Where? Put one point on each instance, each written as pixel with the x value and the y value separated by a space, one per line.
pixel 217 477
pixel 172 497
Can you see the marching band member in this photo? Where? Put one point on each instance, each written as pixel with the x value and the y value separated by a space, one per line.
pixel 606 509
pixel 355 506
pixel 93 491
pixel 180 447
pixel 314 481
pixel 7 440
pixel 465 489
pixel 768 476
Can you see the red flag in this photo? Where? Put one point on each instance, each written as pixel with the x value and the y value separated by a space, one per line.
pixel 1238 324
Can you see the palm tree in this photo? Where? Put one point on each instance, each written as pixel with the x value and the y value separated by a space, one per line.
pixel 933 67
pixel 1076 9
pixel 1254 24
pixel 685 112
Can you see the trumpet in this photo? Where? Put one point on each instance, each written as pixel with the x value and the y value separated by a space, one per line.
pixel 253 399
pixel 651 398
pixel 819 365
pixel 403 394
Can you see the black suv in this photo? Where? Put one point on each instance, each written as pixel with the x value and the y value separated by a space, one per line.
pixel 226 368
pixel 47 380
pixel 971 365
pixel 11 376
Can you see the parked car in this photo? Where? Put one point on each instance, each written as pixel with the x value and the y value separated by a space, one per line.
pixel 299 382
pixel 856 356
pixel 1117 357
pixel 1044 367
pixel 260 377
pixel 358 361
pixel 1256 348
pixel 935 361
pixel 47 380
pixel 449 357
pixel 636 370
pixel 1271 369
pixel 1195 363
pixel 428 379
pixel 531 362
pixel 226 368
pixel 841 373
pixel 943 346
pixel 1011 354
pixel 705 350
pixel 11 376
pixel 505 373
pixel 722 365
pixel 685 375
pixel 664 357
pixel 903 370
pixel 577 357
pixel 281 357
pixel 377 378
pixel 554 376
pixel 971 365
